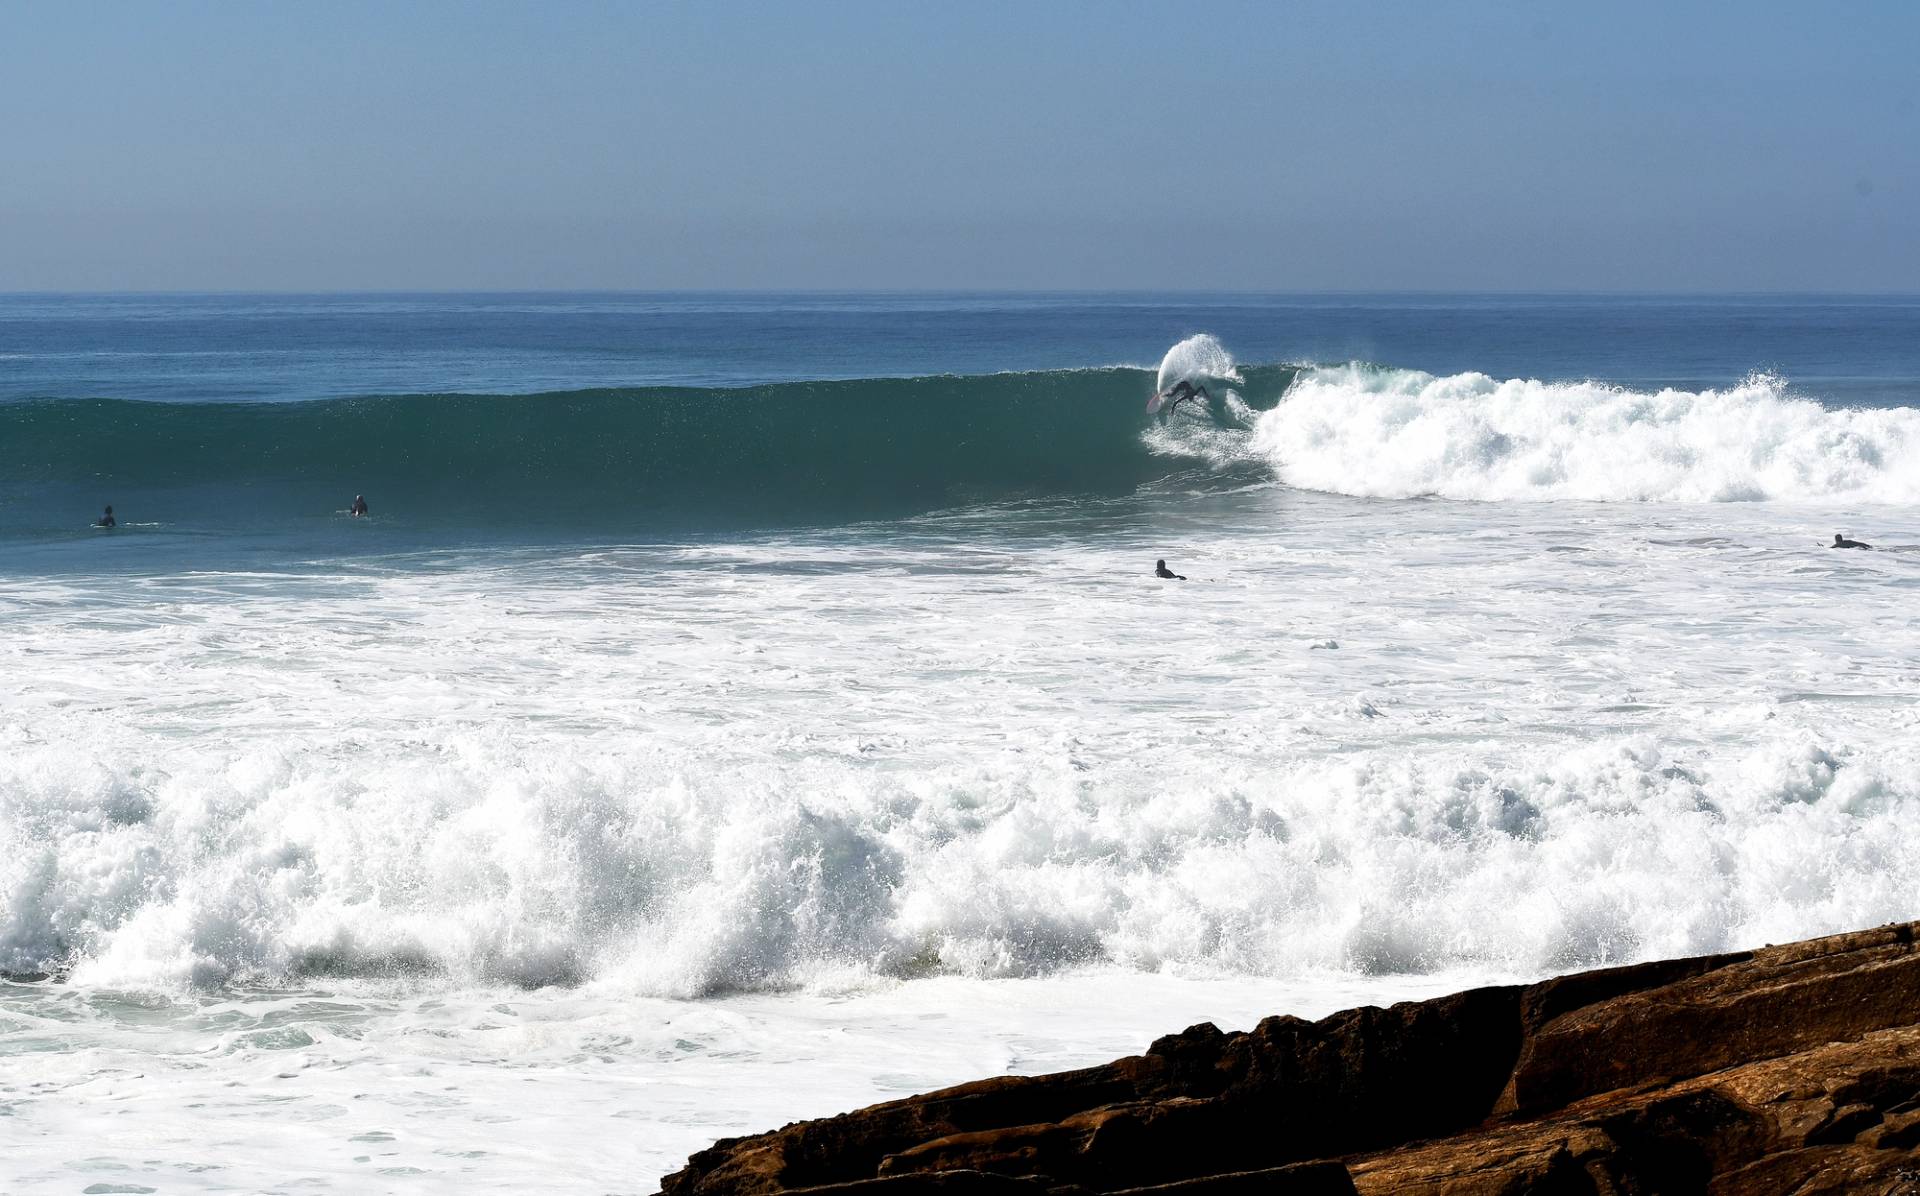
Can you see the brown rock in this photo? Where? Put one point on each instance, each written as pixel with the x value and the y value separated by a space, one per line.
pixel 1789 1069
pixel 1771 1003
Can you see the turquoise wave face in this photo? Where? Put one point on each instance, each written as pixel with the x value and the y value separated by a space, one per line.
pixel 659 459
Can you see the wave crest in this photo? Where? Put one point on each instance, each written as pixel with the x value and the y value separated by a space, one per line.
pixel 530 864
pixel 659 458
pixel 1199 358
pixel 1403 434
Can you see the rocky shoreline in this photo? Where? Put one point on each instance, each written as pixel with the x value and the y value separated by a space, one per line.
pixel 1790 1069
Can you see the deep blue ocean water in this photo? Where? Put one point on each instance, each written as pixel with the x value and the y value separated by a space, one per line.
pixel 245 424
pixel 729 689
pixel 194 348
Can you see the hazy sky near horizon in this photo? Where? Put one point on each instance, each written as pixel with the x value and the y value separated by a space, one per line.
pixel 1465 146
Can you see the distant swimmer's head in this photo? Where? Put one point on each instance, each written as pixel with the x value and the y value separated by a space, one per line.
pixel 109 510
pixel 1838 539
pixel 1157 564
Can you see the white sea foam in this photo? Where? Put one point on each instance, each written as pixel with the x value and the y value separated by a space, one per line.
pixel 1401 434
pixel 486 865
pixel 541 870
pixel 364 1089
pixel 1199 358
pixel 699 775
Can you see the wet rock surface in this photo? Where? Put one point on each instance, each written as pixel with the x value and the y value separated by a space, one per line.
pixel 1790 1069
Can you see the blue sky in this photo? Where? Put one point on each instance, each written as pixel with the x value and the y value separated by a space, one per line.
pixel 1466 146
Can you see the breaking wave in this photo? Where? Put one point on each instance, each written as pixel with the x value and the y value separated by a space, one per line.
pixel 816 453
pixel 1387 433
pixel 647 459
pixel 485 862
pixel 1199 358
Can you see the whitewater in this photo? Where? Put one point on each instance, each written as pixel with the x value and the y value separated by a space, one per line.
pixel 352 861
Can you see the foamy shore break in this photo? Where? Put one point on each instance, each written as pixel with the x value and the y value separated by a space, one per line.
pixel 1787 1069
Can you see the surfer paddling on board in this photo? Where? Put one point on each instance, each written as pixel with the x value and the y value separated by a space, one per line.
pixel 1180 392
pixel 1160 570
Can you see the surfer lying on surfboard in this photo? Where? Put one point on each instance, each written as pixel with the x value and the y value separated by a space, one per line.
pixel 1175 395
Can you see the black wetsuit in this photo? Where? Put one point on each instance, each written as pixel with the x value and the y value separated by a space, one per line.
pixel 1843 542
pixel 359 507
pixel 105 520
pixel 1181 392
pixel 1160 570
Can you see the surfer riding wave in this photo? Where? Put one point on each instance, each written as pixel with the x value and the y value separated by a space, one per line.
pixel 1171 398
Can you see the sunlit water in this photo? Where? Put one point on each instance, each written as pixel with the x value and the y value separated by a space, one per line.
pixel 657 844
pixel 413 855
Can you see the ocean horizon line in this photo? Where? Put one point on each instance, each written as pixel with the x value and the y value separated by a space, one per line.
pixel 1037 292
